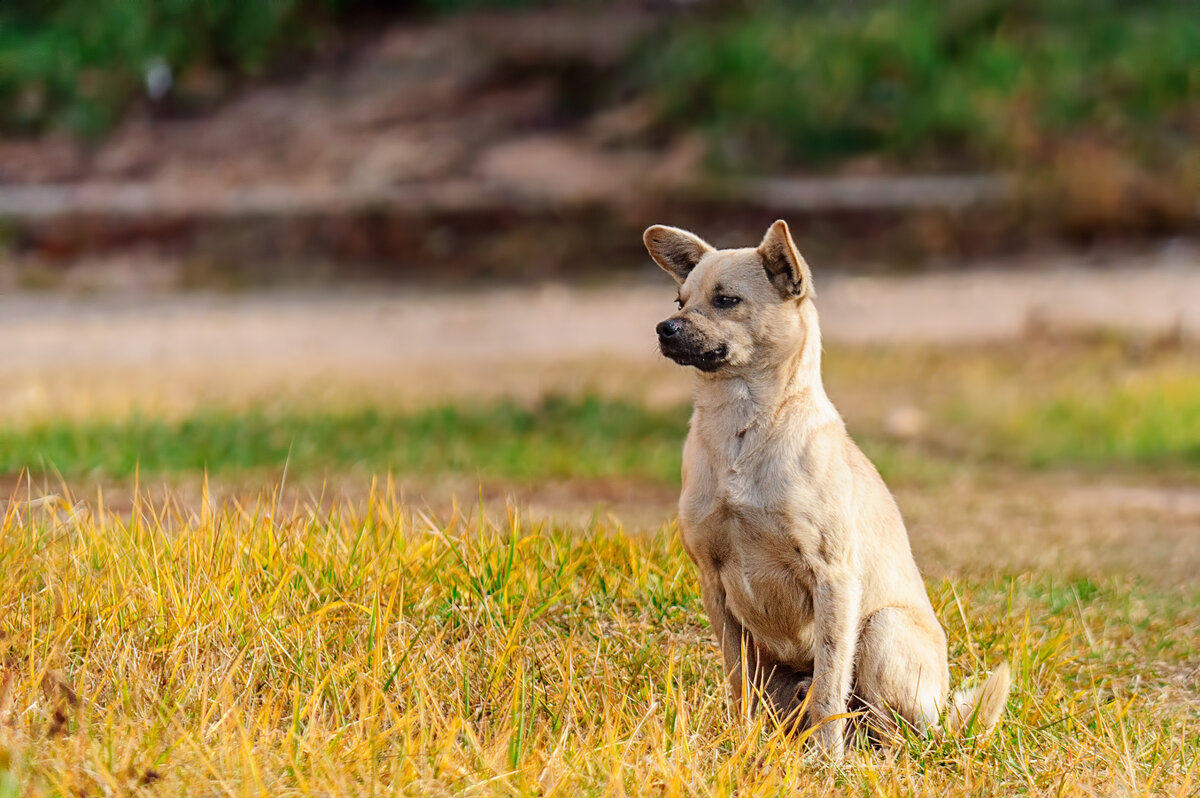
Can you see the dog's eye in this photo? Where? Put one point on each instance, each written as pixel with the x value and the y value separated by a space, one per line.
pixel 679 304
pixel 724 302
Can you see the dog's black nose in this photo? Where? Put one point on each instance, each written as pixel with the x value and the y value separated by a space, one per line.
pixel 668 328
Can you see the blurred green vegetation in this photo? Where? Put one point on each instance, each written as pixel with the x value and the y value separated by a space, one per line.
pixel 974 81
pixel 978 83
pixel 76 64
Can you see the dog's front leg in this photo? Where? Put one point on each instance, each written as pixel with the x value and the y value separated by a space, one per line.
pixel 836 612
pixel 737 648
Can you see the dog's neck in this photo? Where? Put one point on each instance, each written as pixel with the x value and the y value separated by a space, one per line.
pixel 792 389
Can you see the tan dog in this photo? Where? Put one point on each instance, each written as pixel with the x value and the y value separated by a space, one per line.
pixel 805 566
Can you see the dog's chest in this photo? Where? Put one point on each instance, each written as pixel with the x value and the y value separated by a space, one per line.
pixel 769 589
pixel 742 519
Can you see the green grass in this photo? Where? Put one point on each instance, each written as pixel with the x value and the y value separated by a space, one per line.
pixel 557 438
pixel 1143 419
pixel 1139 422
pixel 1100 405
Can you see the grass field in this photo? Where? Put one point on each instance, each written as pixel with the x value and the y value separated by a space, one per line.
pixel 1100 404
pixel 290 625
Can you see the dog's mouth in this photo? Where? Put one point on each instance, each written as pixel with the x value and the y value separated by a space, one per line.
pixel 707 360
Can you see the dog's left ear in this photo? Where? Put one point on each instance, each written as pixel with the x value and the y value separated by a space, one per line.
pixel 785 268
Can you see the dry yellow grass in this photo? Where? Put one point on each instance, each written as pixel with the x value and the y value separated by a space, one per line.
pixel 255 648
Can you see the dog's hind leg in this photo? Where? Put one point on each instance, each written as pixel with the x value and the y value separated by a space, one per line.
pixel 781 688
pixel 901 670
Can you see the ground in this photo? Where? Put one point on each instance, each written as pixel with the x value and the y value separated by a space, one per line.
pixel 111 334
pixel 339 544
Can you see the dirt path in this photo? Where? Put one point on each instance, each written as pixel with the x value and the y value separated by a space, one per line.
pixel 176 350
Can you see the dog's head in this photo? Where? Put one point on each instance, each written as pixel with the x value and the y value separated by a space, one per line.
pixel 737 307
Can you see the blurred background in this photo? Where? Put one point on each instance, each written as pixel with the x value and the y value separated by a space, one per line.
pixel 441 139
pixel 307 294
pixel 360 238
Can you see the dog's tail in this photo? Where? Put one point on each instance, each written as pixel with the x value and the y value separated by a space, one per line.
pixel 977 709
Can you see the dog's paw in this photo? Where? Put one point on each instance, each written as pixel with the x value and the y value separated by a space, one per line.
pixel 829 739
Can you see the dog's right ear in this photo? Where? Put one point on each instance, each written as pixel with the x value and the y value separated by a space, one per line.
pixel 676 251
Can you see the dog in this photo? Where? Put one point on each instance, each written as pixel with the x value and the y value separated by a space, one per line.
pixel 805 568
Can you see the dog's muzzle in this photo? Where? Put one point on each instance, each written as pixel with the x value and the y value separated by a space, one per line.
pixel 675 342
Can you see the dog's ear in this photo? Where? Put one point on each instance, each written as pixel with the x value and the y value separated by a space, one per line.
pixel 676 251
pixel 785 267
